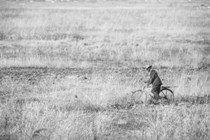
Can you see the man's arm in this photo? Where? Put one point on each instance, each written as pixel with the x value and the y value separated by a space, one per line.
pixel 152 78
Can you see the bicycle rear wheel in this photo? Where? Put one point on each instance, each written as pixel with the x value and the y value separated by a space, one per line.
pixel 167 94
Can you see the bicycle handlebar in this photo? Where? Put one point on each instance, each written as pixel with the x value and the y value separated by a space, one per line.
pixel 142 89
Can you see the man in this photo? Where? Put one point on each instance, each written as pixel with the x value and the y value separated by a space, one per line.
pixel 155 81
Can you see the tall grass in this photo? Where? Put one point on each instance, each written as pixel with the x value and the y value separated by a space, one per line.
pixel 75 107
pixel 98 104
pixel 166 36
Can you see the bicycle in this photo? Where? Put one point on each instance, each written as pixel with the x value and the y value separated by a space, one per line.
pixel 166 94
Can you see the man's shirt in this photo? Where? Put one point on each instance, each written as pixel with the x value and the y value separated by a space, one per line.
pixel 154 78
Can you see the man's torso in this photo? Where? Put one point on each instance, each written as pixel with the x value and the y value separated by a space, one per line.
pixel 156 80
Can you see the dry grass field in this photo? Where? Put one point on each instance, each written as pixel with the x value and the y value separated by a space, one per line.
pixel 67 69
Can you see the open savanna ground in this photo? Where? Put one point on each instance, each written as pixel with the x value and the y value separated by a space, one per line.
pixel 72 103
pixel 67 70
pixel 45 34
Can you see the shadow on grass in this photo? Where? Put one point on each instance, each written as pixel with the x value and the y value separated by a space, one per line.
pixel 194 99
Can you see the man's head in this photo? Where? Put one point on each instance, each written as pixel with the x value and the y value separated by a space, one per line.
pixel 148 68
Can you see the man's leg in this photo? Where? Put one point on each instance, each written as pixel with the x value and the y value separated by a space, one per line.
pixel 155 90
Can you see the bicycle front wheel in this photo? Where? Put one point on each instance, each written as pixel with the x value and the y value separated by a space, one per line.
pixel 167 94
